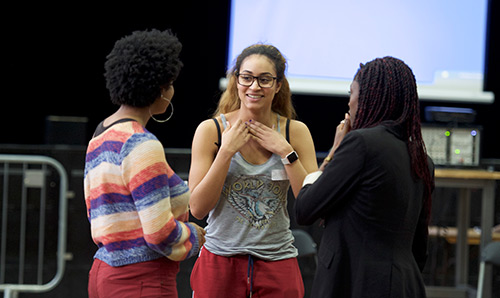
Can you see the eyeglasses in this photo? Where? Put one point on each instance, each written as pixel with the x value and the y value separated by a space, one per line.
pixel 264 81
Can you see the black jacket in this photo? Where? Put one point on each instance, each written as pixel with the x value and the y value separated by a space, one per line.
pixel 375 238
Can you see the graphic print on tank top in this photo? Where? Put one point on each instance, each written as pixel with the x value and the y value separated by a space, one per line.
pixel 256 198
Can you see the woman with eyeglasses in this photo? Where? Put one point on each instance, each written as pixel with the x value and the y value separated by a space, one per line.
pixel 244 161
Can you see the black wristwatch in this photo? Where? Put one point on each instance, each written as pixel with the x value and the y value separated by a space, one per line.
pixel 290 158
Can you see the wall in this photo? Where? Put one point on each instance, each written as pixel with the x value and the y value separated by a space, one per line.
pixel 54 66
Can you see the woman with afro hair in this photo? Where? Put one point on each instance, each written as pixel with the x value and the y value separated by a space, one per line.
pixel 136 205
pixel 373 191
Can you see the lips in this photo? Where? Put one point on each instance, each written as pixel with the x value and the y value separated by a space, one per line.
pixel 255 96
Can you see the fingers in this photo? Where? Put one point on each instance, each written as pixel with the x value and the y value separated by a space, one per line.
pixel 346 119
pixel 201 234
pixel 235 136
pixel 239 127
pixel 244 130
pixel 345 124
pixel 241 132
pixel 258 129
pixel 254 127
pixel 201 237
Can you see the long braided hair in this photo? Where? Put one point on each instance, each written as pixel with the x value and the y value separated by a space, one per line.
pixel 388 92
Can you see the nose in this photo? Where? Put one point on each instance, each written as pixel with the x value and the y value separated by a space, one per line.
pixel 255 84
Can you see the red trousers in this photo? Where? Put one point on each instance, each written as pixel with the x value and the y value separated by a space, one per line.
pixel 243 276
pixel 155 278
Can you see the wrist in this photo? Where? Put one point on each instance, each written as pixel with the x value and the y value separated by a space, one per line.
pixel 285 151
pixel 226 153
pixel 290 158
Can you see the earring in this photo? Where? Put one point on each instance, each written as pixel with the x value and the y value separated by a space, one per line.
pixel 171 113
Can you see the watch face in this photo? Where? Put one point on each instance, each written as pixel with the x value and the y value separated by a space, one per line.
pixel 292 157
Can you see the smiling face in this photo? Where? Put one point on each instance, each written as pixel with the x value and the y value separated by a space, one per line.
pixel 254 96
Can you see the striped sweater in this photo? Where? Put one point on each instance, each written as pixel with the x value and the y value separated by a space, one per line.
pixel 137 206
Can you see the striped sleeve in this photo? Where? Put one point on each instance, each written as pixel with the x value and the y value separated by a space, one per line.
pixel 145 174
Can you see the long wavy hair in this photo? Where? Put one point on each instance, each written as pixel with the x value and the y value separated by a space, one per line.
pixel 282 102
pixel 388 93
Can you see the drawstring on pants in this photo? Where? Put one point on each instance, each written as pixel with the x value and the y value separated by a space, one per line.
pixel 250 274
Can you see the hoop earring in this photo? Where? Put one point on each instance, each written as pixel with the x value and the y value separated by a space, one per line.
pixel 171 113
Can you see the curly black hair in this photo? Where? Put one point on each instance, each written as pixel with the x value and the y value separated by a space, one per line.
pixel 140 65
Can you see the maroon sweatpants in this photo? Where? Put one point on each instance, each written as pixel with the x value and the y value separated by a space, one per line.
pixel 238 276
pixel 155 278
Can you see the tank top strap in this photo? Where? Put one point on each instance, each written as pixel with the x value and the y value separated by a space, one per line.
pixel 223 119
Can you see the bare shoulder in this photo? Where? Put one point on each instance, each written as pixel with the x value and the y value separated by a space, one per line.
pixel 207 126
pixel 300 136
pixel 302 142
pixel 206 135
pixel 299 128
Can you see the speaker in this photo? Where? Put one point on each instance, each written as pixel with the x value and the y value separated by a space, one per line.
pixel 66 130
pixel 453 146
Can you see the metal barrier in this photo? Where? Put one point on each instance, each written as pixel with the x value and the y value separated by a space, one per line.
pixel 31 174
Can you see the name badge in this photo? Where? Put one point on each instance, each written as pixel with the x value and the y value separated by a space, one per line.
pixel 277 175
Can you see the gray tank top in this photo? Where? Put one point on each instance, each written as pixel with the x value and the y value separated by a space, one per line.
pixel 251 215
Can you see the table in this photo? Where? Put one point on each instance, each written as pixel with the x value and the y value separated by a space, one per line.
pixel 466 180
pixel 450 234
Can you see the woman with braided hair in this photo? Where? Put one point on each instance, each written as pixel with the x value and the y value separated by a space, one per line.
pixel 373 191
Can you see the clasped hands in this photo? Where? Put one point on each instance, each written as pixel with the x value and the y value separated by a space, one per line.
pixel 238 134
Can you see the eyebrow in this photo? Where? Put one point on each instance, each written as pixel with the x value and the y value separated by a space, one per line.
pixel 250 72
